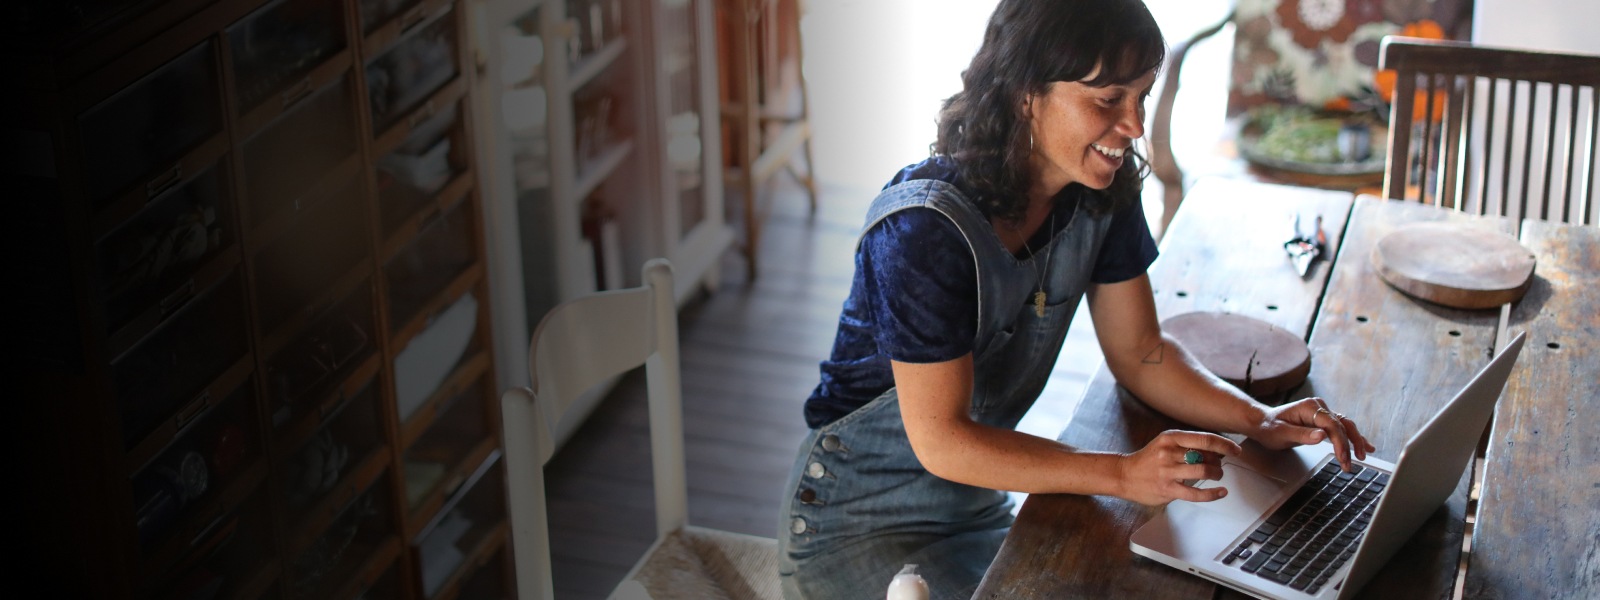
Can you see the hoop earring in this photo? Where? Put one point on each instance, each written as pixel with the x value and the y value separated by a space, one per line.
pixel 1030 141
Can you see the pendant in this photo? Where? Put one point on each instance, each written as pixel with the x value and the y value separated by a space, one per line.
pixel 1038 303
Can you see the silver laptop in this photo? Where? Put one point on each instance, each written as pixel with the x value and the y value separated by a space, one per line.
pixel 1294 526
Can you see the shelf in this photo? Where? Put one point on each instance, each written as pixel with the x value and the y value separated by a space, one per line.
pixel 132 200
pixel 480 556
pixel 381 37
pixel 592 65
pixel 462 491
pixel 464 531
pixel 295 323
pixel 447 199
pixel 594 171
pixel 457 288
pixel 452 479
pixel 396 134
pixel 146 449
pixel 466 374
pixel 291 97
pixel 327 508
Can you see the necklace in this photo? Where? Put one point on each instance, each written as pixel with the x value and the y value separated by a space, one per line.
pixel 1038 296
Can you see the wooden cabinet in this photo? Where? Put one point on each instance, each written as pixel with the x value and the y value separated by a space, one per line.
pixel 257 303
pixel 598 121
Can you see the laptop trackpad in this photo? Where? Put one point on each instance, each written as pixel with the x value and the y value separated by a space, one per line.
pixel 1250 493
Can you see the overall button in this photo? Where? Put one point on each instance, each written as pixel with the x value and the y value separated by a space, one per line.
pixel 831 443
pixel 798 526
pixel 808 496
pixel 816 471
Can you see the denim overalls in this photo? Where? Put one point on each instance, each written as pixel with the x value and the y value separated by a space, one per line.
pixel 860 505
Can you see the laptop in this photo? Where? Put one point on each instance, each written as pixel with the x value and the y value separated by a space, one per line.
pixel 1295 527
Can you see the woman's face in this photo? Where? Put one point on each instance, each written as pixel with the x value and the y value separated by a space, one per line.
pixel 1082 134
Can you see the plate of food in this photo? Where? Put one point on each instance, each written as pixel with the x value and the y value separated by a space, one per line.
pixel 1299 139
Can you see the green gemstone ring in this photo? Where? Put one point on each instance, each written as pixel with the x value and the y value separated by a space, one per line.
pixel 1192 457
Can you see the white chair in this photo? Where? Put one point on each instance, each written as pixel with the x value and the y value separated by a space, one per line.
pixel 578 345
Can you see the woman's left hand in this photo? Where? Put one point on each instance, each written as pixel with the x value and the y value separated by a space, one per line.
pixel 1310 421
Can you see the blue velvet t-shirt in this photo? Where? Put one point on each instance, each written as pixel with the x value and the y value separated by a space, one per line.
pixel 914 296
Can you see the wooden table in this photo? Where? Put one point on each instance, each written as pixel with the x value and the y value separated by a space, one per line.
pixel 1385 359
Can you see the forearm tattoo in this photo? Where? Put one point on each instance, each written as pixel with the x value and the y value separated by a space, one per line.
pixel 1155 356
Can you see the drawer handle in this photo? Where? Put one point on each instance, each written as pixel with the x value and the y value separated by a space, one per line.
pixel 193 409
pixel 177 299
pixel 421 115
pixel 162 183
pixel 413 18
pixel 297 93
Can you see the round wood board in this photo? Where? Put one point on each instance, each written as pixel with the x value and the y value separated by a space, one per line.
pixel 1253 355
pixel 1454 264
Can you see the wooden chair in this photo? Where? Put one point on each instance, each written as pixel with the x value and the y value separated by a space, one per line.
pixel 765 130
pixel 1493 131
pixel 578 345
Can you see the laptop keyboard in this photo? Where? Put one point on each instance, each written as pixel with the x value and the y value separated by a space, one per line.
pixel 1316 531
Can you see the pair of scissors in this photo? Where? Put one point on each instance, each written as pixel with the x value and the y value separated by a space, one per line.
pixel 1305 246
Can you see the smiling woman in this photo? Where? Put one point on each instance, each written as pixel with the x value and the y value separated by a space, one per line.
pixel 968 271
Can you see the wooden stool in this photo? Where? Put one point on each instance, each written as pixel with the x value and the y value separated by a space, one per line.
pixel 758 37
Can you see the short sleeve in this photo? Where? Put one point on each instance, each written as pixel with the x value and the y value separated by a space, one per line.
pixel 921 286
pixel 1128 250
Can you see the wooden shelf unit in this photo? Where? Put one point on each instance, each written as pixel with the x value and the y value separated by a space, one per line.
pixel 250 229
pixel 599 121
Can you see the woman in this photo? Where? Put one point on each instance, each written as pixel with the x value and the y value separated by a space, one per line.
pixel 968 272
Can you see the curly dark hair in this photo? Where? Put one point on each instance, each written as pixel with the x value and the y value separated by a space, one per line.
pixel 1028 45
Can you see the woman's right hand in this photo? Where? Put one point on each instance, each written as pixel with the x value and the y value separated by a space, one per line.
pixel 1154 475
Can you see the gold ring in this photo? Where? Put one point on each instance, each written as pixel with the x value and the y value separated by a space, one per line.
pixel 1322 411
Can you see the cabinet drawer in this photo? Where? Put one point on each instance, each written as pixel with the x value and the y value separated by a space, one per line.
pixel 152 261
pixel 277 46
pixel 321 462
pixel 294 152
pixel 321 245
pixel 206 458
pixel 178 360
pixel 411 176
pixel 333 345
pixel 410 71
pixel 351 538
pixel 437 460
pixel 438 256
pixel 137 134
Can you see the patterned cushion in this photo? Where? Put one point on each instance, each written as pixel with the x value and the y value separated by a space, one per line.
pixel 1324 52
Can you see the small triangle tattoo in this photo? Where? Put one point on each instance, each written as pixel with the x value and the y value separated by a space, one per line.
pixel 1155 356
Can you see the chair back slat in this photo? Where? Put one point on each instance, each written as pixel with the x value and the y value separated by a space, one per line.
pixel 582 343
pixel 1537 161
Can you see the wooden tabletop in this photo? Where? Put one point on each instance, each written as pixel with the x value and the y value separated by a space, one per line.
pixel 1382 357
pixel 1223 252
pixel 1538 520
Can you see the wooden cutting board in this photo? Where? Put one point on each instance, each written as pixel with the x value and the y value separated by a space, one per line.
pixel 1454 264
pixel 1256 356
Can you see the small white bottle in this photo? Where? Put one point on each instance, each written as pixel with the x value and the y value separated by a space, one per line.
pixel 908 585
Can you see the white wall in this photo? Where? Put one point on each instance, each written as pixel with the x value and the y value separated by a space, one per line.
pixel 1567 25
pixel 1554 25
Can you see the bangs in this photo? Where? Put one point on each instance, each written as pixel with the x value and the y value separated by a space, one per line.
pixel 1125 47
pixel 1135 58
